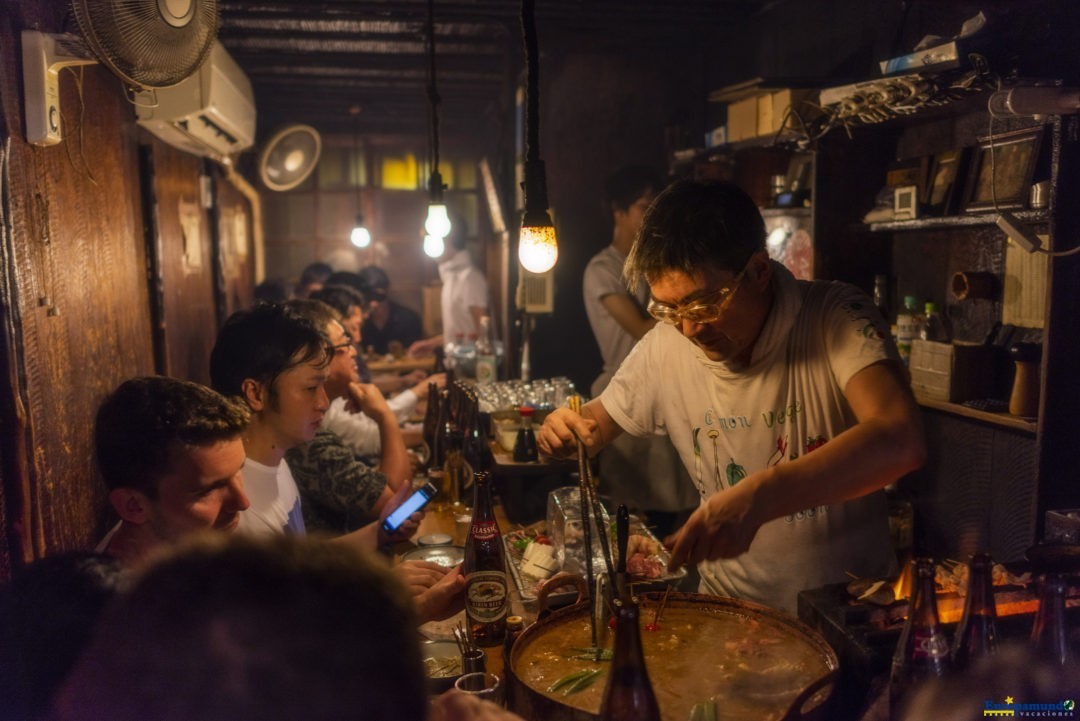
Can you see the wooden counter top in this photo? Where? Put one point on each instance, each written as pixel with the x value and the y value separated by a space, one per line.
pixel 401 365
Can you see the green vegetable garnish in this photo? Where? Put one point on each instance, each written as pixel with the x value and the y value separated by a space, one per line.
pixel 704 711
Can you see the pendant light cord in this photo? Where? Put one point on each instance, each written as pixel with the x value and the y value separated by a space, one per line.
pixel 535 186
pixel 433 94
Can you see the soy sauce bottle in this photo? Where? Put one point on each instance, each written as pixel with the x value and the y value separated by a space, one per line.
pixel 628 695
pixel 976 636
pixel 487 602
pixel 923 650
pixel 525 444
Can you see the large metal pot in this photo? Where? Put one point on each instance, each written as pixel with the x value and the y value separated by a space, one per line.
pixel 809 704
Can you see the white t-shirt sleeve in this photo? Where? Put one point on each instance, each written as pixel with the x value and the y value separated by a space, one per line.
pixel 631 397
pixel 475 290
pixel 357 430
pixel 601 279
pixel 403 404
pixel 856 335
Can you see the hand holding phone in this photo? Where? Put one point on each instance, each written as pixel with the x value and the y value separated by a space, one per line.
pixel 412 504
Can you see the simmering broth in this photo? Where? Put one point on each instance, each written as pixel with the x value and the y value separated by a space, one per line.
pixel 754 667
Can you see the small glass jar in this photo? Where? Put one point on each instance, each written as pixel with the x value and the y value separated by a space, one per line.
pixel 525 445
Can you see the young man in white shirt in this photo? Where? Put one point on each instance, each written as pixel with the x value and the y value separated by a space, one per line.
pixel 785 399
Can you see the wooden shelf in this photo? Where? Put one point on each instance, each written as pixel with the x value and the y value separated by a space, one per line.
pixel 955 221
pixel 1004 420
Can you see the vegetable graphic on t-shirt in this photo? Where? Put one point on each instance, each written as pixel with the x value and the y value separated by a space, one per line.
pixel 714 434
pixel 815 442
pixel 697 461
pixel 734 472
pixel 781 450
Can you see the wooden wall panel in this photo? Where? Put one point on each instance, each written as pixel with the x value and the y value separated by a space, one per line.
pixel 74 296
pixel 184 263
pixel 234 248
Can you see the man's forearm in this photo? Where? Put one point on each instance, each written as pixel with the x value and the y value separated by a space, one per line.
pixel 394 460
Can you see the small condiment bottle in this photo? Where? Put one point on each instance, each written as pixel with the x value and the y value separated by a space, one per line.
pixel 976 636
pixel 525 445
pixel 514 626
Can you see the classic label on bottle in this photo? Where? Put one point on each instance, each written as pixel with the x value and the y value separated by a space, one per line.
pixel 485 596
pixel 929 645
pixel 485 530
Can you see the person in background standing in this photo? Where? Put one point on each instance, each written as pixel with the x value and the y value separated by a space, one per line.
pixel 644 473
pixel 464 299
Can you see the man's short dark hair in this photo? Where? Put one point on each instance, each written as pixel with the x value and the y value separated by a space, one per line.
pixel 142 423
pixel 346 278
pixel 694 224
pixel 339 297
pixel 623 187
pixel 261 344
pixel 316 272
pixel 234 628
pixel 374 277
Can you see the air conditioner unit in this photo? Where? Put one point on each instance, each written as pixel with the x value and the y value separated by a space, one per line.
pixel 211 113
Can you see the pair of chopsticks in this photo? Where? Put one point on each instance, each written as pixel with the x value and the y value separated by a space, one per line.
pixel 464 644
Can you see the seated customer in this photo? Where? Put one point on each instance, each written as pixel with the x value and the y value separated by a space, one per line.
pixel 339 491
pixel 386 321
pixel 281 628
pixel 47 612
pixel 356 429
pixel 277 361
pixel 170 452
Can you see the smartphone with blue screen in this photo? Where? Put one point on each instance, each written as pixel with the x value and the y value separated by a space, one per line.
pixel 412 504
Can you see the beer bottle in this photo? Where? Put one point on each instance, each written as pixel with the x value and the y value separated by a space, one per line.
pixel 431 422
pixel 1048 635
pixel 976 636
pixel 628 695
pixel 487 601
pixel 923 649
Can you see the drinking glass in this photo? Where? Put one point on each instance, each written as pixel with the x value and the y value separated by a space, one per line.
pixel 487 686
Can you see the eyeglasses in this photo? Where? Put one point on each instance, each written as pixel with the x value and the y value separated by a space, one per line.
pixel 708 309
pixel 344 345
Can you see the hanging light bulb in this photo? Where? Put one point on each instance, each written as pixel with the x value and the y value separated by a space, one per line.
pixel 434 246
pixel 438 221
pixel 360 235
pixel 537 247
pixel 437 224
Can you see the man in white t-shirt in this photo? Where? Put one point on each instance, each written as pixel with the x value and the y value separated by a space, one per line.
pixel 464 298
pixel 785 399
pixel 277 361
pixel 645 472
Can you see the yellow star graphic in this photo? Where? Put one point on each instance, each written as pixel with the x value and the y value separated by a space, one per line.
pixel 1008 699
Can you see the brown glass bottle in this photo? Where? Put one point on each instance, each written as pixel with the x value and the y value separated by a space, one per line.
pixel 487 602
pixel 923 649
pixel 1049 635
pixel 628 695
pixel 976 636
pixel 431 422
pixel 514 626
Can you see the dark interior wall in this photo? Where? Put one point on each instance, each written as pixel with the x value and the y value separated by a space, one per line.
pixel 599 112
pixel 74 298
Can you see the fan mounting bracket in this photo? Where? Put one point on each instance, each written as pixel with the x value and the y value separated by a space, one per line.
pixel 44 55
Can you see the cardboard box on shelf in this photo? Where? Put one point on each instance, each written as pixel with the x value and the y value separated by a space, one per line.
pixel 788 99
pixel 742 120
pixel 951 372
